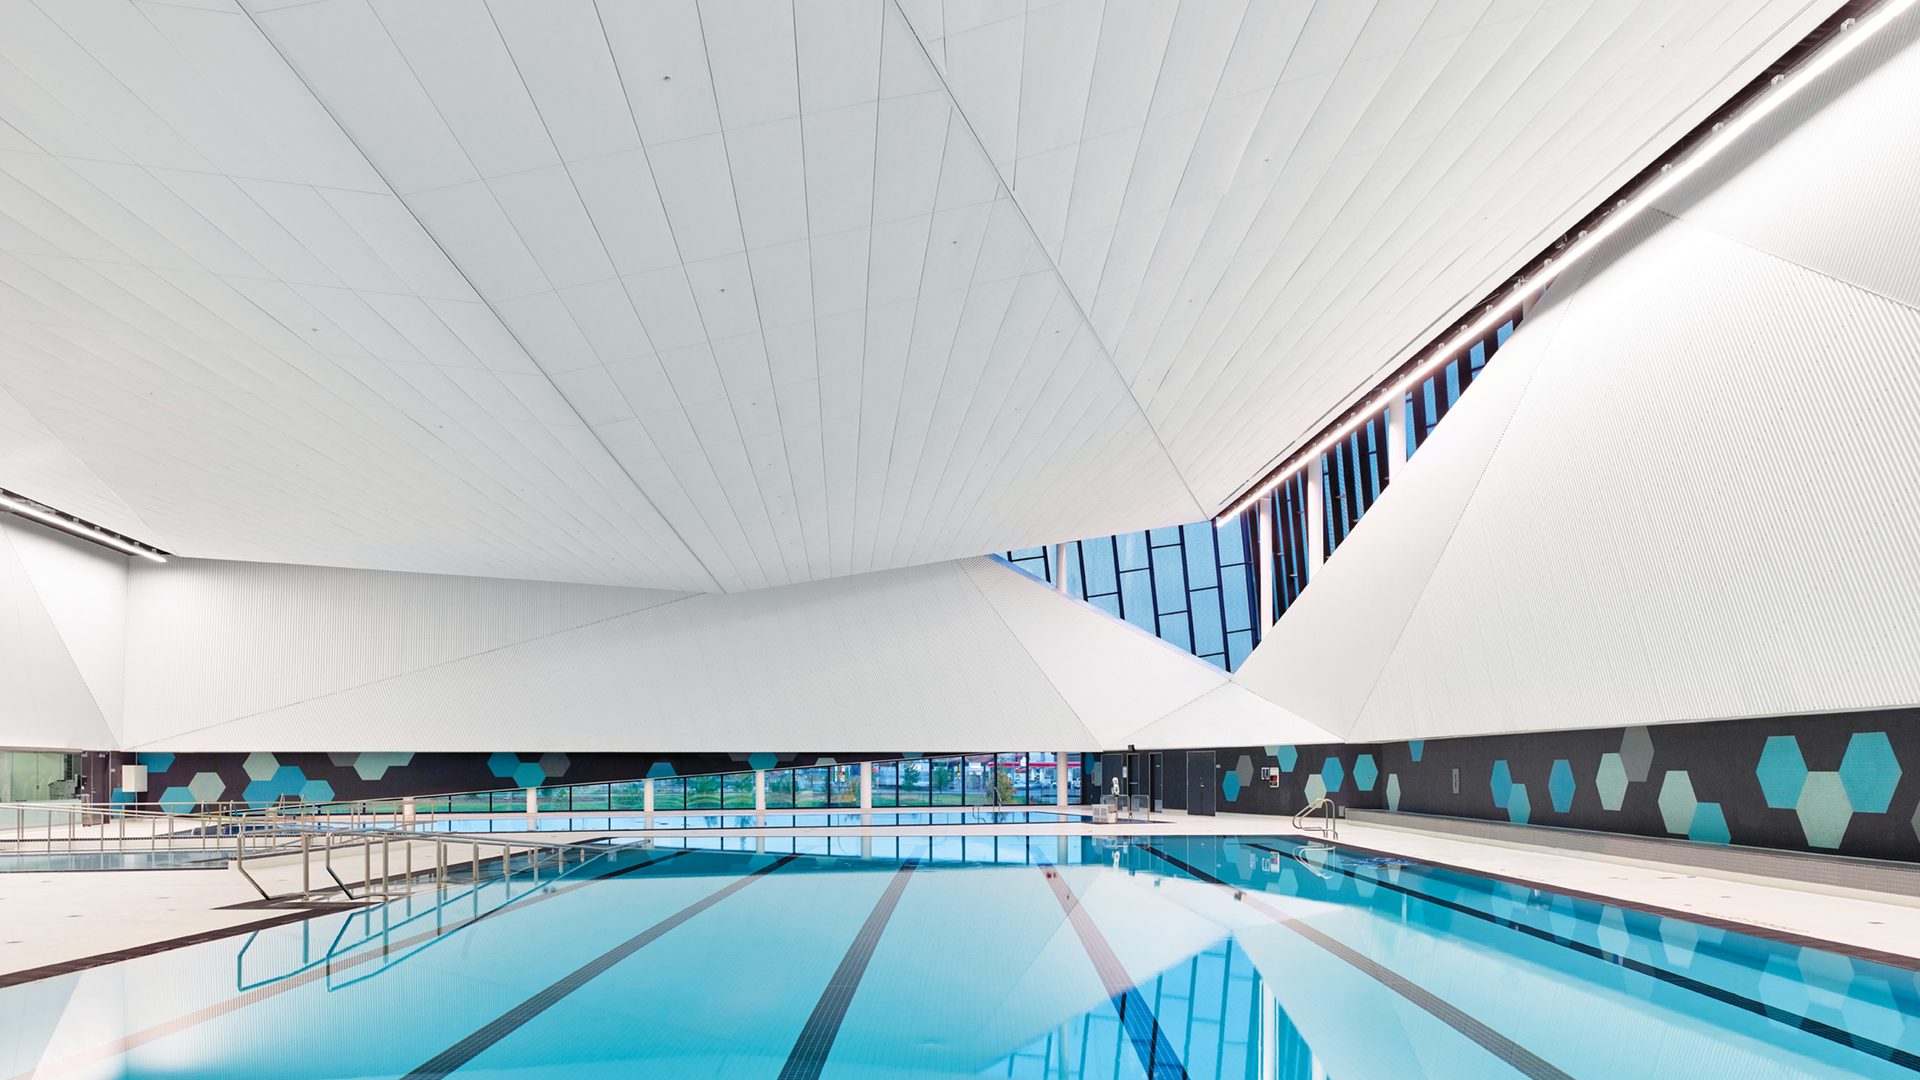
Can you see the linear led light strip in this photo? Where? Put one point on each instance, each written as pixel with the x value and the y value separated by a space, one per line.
pixel 78 528
pixel 1669 177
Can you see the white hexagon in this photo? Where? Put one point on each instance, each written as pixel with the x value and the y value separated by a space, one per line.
pixel 260 765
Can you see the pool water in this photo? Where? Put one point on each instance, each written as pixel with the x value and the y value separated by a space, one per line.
pixel 1015 956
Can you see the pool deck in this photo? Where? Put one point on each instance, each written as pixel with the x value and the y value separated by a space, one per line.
pixel 68 921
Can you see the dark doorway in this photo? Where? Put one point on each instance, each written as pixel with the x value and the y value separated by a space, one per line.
pixel 1157 771
pixel 1202 783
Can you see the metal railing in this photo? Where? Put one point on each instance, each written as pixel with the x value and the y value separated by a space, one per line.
pixel 330 842
pixel 1330 827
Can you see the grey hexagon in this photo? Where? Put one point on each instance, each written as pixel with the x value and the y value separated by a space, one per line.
pixel 555 764
pixel 342 758
pixel 1244 770
pixel 260 765
pixel 1636 753
pixel 1916 822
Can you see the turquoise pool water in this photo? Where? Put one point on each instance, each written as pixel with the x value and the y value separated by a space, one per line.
pixel 922 956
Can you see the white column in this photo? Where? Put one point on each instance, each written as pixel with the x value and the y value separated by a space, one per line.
pixel 1060 567
pixel 1060 778
pixel 1263 571
pixel 866 785
pixel 759 789
pixel 1316 520
pixel 533 801
pixel 1396 436
pixel 646 795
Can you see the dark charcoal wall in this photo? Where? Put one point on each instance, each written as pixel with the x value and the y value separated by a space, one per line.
pixel 263 778
pixel 1846 783
pixel 1354 778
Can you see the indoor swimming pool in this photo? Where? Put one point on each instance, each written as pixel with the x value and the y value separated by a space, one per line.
pixel 1014 956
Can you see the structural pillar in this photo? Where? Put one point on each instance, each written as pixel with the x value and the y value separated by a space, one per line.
pixel 760 789
pixel 1263 570
pixel 1316 519
pixel 1396 436
pixel 533 801
pixel 1060 568
pixel 646 796
pixel 866 785
pixel 1060 778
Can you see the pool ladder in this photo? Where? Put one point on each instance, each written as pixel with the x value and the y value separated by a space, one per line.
pixel 1330 818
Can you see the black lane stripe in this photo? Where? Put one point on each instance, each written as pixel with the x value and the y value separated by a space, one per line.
pixel 1519 1057
pixel 1906 1059
pixel 810 1050
pixel 460 1053
pixel 1150 1042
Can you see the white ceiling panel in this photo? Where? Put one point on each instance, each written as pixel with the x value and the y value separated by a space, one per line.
pixel 698 295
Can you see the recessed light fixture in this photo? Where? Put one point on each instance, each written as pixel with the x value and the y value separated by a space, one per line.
pixel 46 515
pixel 1852 34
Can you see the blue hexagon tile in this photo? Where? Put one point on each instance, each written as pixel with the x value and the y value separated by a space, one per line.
pixel 1869 772
pixel 1502 783
pixel 1560 785
pixel 1781 772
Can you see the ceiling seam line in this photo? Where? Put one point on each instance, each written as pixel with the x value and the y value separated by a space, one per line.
pixel 966 574
pixel 1052 265
pixel 457 268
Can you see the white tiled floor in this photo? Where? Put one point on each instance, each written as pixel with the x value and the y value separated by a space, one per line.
pixel 51 918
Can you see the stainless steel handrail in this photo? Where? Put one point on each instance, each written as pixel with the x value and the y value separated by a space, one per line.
pixel 536 854
pixel 1303 817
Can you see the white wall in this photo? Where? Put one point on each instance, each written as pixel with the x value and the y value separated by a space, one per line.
pixel 954 656
pixel 1688 492
pixel 62 638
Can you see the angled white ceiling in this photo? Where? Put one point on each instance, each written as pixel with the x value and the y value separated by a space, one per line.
pixel 702 296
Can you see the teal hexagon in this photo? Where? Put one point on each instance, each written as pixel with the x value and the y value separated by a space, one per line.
pixel 260 766
pixel 1560 785
pixel 1869 772
pixel 1502 783
pixel 316 791
pixel 1519 807
pixel 207 787
pixel 1365 772
pixel 260 793
pixel 1823 810
pixel 1416 747
pixel 528 774
pixel 660 768
pixel 1287 757
pixel 1709 825
pixel 1677 802
pixel 178 800
pixel 1782 772
pixel 762 762
pixel 1611 782
pixel 502 764
pixel 1393 791
pixel 287 779
pixel 1333 773
pixel 158 761
pixel 1230 786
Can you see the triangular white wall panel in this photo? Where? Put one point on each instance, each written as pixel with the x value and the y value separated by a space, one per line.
pixel 62 611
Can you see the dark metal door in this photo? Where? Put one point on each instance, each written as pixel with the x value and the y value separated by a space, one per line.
pixel 1202 783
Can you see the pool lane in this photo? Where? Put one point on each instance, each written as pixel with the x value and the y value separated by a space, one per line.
pixel 261 1010
pixel 729 993
pixel 1630 1021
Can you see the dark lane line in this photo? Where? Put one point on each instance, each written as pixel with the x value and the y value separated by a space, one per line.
pixel 460 1053
pixel 1906 1059
pixel 810 1050
pixel 1519 1057
pixel 1157 1056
